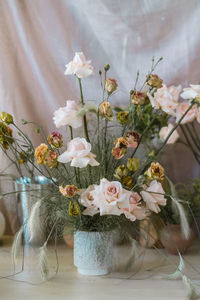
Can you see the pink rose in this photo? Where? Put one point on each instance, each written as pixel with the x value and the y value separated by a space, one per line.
pixel 132 208
pixel 164 132
pixel 181 109
pixel 78 152
pixel 79 66
pixel 166 98
pixel 68 115
pixel 154 196
pixel 107 195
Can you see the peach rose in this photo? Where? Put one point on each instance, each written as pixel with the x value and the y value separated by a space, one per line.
pixel 79 66
pixel 181 109
pixel 107 195
pixel 166 98
pixel 78 152
pixel 68 115
pixel 164 132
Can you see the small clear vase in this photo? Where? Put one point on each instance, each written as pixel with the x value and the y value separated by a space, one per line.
pixel 93 252
pixel 30 191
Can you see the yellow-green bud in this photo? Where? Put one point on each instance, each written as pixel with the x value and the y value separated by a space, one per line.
pixel 127 181
pixel 123 117
pixel 74 209
pixel 7 118
pixel 121 172
pixel 154 81
pixel 133 164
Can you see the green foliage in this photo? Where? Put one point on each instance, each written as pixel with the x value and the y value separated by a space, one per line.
pixel 144 116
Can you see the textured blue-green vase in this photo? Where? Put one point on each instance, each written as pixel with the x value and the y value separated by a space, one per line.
pixel 93 252
pixel 32 190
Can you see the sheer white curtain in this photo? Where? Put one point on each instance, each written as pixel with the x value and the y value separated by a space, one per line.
pixel 37 39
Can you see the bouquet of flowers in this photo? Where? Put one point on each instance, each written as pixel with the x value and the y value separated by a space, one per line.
pixel 100 183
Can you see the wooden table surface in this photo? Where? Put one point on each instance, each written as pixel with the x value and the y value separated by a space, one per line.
pixel 144 282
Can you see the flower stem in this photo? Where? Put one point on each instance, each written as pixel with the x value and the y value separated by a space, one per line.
pixel 84 117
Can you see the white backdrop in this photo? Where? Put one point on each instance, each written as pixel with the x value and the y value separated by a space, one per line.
pixel 38 37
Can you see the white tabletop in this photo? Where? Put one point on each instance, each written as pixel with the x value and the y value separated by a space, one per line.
pixel 146 284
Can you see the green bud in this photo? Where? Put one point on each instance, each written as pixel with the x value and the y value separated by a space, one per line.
pixel 37 130
pixel 121 172
pixel 106 67
pixel 123 117
pixel 133 164
pixel 7 118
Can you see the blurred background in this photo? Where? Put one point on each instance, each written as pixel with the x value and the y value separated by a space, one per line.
pixel 37 39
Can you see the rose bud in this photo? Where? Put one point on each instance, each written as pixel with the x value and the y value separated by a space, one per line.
pixel 155 172
pixel 133 164
pixel 127 181
pixel 123 117
pixel 51 159
pixel 132 139
pixel 74 209
pixel 7 118
pixel 69 191
pixel 121 172
pixel 111 85
pixel 139 98
pixel 105 111
pixel 40 153
pixel 118 152
pixel 154 81
pixel 55 139
pixel 121 142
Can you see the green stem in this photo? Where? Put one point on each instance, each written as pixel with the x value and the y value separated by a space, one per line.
pixel 195 141
pixel 85 130
pixel 189 144
pixel 76 170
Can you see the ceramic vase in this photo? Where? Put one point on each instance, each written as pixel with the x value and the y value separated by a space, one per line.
pixel 93 252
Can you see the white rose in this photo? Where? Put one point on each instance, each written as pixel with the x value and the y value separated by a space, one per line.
pixel 79 66
pixel 192 92
pixel 68 115
pixel 164 132
pixel 78 152
pixel 154 200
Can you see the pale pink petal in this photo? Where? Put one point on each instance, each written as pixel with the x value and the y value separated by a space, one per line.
pixel 80 162
pixel 65 157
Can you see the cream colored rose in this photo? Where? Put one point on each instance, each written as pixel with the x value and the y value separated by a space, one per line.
pixel 164 132
pixel 68 115
pixel 79 66
pixel 78 152
pixel 192 92
pixel 107 195
pixel 166 98
pixel 154 196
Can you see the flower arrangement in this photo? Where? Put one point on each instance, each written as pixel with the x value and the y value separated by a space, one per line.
pixel 100 183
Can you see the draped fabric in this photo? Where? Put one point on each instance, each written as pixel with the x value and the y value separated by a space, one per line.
pixel 37 39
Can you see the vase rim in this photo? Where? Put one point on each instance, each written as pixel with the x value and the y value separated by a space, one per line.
pixel 38 180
